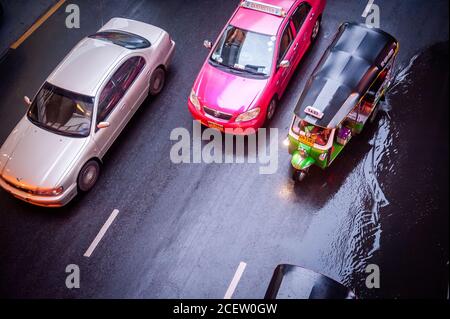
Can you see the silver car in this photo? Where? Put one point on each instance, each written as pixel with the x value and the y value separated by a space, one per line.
pixel 55 151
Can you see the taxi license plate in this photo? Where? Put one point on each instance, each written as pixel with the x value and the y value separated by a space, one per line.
pixel 215 126
pixel 306 140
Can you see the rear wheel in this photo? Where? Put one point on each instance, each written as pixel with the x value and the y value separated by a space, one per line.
pixel 88 176
pixel 157 81
pixel 316 29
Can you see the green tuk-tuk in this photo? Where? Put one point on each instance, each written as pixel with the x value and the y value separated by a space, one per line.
pixel 342 94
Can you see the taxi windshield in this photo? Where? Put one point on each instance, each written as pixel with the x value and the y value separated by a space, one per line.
pixel 316 134
pixel 244 51
pixel 62 111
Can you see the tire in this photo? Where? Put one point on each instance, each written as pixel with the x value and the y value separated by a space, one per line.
pixel 316 30
pixel 299 175
pixel 271 109
pixel 88 176
pixel 157 81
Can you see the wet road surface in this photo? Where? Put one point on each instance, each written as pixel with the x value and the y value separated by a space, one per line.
pixel 183 229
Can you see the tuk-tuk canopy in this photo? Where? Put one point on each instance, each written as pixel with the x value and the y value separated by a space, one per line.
pixel 345 72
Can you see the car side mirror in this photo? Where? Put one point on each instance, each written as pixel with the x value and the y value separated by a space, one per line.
pixel 285 64
pixel 102 125
pixel 27 100
pixel 207 44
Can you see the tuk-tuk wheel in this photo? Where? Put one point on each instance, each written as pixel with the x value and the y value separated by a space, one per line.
pixel 299 175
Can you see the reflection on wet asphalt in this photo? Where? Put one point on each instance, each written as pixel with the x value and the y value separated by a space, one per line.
pixel 183 229
pixel 389 167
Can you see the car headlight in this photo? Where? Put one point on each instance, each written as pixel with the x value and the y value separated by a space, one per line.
pixel 49 192
pixel 249 115
pixel 194 100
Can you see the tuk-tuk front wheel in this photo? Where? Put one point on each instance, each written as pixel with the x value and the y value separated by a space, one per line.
pixel 299 175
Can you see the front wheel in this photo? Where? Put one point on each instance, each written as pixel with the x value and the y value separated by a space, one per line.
pixel 88 176
pixel 157 81
pixel 271 110
pixel 299 175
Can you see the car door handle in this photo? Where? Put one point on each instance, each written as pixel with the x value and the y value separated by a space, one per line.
pixel 312 16
pixel 122 107
pixel 296 46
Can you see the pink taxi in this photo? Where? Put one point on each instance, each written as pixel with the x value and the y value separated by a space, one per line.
pixel 252 61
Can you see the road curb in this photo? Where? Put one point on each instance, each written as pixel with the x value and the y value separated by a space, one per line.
pixel 4 52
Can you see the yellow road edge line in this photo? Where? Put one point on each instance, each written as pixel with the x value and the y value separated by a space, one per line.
pixel 37 24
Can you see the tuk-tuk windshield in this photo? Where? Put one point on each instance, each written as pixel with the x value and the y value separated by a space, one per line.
pixel 317 134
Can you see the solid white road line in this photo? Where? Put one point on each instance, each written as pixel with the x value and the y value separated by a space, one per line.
pixel 101 233
pixel 234 282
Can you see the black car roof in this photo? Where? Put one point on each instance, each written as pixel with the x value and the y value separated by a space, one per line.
pixel 295 282
pixel 346 70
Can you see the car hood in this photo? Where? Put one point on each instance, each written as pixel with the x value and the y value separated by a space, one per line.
pixel 227 92
pixel 36 157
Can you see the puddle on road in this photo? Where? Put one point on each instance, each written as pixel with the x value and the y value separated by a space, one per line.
pixel 361 230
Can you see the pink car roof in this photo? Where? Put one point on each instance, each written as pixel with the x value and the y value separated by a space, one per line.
pixel 261 22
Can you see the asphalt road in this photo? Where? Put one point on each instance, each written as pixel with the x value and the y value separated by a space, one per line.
pixel 182 230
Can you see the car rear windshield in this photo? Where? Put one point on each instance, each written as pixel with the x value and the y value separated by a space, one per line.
pixel 61 111
pixel 124 39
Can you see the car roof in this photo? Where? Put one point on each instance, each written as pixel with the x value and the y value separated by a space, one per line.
pixel 347 69
pixel 261 22
pixel 295 282
pixel 85 67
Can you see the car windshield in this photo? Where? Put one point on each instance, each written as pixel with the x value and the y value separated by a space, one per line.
pixel 62 111
pixel 124 39
pixel 244 51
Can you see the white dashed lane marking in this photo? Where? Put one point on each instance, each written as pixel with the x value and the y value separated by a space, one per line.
pixel 101 233
pixel 234 282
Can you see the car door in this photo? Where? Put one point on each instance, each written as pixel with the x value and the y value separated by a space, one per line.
pixel 118 100
pixel 303 30
pixel 285 54
pixel 135 84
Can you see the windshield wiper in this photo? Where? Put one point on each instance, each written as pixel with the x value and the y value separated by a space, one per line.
pixel 253 69
pixel 255 72
pixel 237 70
